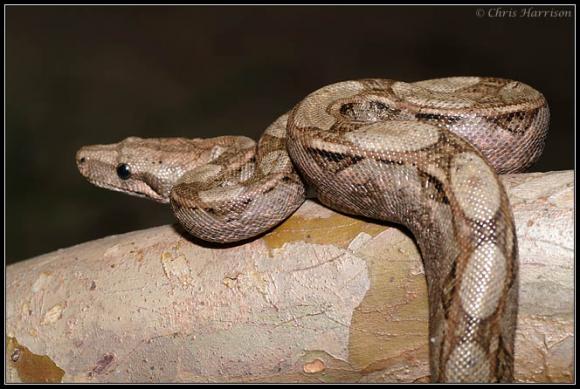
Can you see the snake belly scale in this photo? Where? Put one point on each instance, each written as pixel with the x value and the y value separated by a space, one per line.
pixel 423 154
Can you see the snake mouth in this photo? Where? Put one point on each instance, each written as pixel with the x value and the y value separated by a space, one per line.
pixel 140 190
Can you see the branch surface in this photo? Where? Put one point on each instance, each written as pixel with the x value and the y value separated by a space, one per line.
pixel 324 297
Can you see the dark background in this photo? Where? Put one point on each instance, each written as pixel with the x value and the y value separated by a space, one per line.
pixel 84 75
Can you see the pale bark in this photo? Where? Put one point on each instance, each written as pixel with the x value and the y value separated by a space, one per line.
pixel 323 297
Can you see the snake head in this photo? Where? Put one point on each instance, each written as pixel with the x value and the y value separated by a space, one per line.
pixel 140 167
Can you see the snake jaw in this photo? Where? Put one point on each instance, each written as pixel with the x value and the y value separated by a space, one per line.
pixel 144 192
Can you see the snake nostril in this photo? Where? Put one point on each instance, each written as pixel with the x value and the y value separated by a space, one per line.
pixel 80 158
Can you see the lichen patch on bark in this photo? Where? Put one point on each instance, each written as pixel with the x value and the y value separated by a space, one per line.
pixel 30 367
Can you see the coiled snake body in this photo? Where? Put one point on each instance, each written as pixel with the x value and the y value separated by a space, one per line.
pixel 422 154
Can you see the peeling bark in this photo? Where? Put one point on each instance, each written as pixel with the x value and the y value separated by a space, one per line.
pixel 322 298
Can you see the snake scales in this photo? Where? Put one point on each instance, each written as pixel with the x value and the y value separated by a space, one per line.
pixel 422 154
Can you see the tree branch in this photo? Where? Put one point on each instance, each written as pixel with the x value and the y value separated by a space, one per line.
pixel 323 297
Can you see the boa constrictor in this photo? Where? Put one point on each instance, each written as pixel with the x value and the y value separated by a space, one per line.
pixel 421 154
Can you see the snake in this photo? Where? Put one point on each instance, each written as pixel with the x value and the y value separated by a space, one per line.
pixel 423 154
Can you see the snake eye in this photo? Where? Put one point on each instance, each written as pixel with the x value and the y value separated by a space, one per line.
pixel 123 171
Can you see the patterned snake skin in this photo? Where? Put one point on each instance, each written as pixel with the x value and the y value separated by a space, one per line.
pixel 421 154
